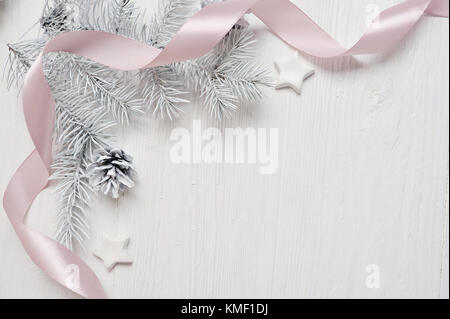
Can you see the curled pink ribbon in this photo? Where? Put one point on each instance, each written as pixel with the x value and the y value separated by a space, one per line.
pixel 199 35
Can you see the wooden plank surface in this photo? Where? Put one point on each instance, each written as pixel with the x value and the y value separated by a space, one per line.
pixel 362 180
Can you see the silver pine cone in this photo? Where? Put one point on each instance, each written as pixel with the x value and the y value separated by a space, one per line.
pixel 112 173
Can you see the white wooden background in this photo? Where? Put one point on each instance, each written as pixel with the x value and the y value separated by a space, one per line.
pixel 362 180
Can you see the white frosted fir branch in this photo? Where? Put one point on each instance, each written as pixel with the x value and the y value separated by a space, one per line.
pixel 90 97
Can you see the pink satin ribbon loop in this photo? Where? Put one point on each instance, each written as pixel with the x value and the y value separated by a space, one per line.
pixel 199 35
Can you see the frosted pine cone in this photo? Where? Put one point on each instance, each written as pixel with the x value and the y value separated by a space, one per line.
pixel 57 18
pixel 112 173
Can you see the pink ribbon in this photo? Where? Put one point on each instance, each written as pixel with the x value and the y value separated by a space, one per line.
pixel 199 35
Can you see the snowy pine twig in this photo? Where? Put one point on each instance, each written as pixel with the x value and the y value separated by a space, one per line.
pixel 91 98
pixel 81 129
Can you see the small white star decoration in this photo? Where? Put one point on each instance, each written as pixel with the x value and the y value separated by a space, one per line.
pixel 292 73
pixel 113 252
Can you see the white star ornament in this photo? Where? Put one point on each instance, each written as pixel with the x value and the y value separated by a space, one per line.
pixel 113 252
pixel 292 73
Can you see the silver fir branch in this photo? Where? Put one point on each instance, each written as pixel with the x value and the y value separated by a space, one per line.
pixel 81 130
pixel 85 90
pixel 227 77
pixel 164 90
pixel 106 86
pixel 57 17
pixel 20 59
pixel 113 16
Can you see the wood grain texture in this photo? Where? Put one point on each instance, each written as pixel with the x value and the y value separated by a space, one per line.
pixel 362 180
